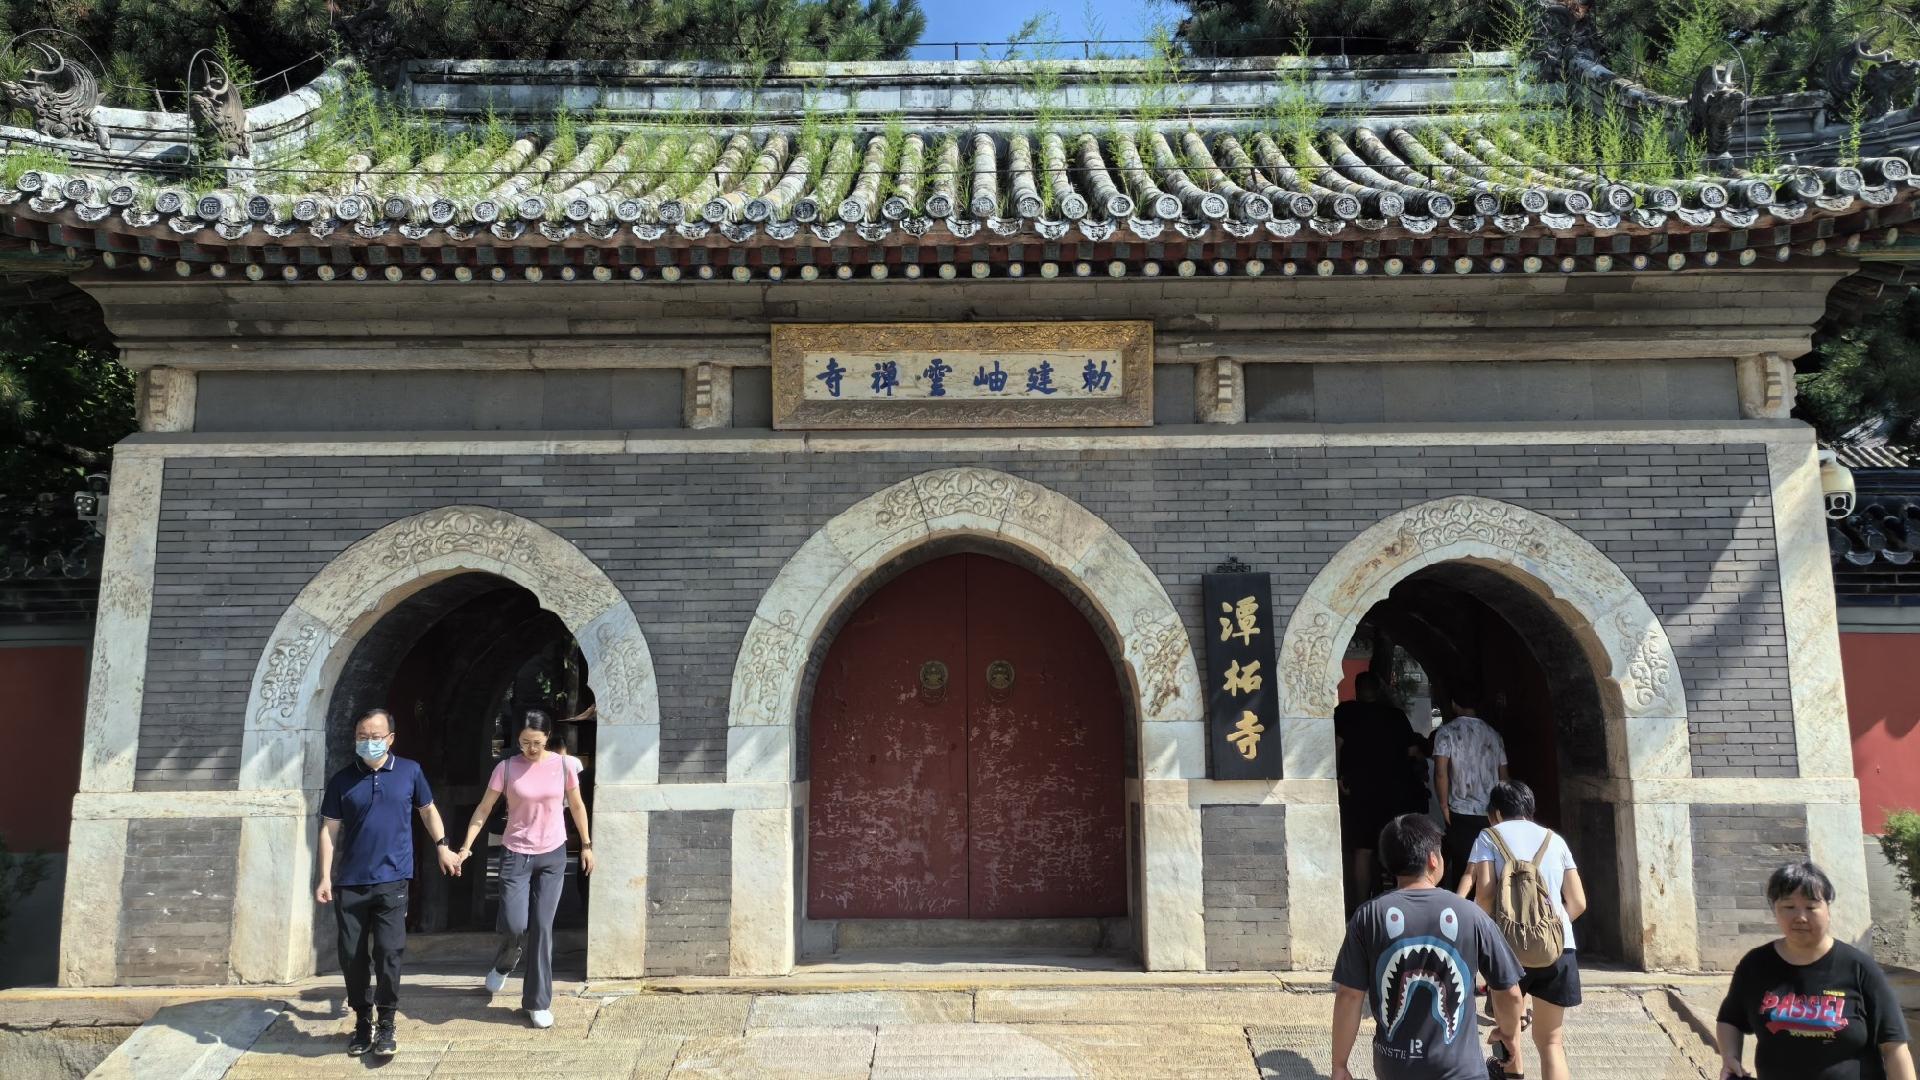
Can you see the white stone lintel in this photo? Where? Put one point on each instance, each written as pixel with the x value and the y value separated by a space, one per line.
pixel 1239 792
pixel 1248 436
pixel 1722 790
pixel 142 805
pixel 647 798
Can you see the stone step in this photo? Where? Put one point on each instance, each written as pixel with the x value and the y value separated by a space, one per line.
pixel 451 1029
pixel 200 1040
pixel 934 934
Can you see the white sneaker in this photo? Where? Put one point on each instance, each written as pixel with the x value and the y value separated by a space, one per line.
pixel 495 980
pixel 542 1018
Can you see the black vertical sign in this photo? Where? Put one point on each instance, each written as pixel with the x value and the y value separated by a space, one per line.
pixel 1243 701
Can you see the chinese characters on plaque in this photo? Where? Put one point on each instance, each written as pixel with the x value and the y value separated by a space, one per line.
pixel 929 375
pixel 894 377
pixel 1243 707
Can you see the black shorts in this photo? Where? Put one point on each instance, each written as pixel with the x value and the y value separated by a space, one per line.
pixel 1361 822
pixel 1557 983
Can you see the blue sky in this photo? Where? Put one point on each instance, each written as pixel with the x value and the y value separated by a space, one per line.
pixel 996 20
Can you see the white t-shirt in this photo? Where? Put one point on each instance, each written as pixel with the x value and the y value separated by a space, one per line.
pixel 1523 839
pixel 1477 752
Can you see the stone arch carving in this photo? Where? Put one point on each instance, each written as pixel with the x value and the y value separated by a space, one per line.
pixel 286 709
pixel 770 674
pixel 1643 697
pixel 1157 655
pixel 284 746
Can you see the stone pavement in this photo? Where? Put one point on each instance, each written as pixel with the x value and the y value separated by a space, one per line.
pixel 450 1028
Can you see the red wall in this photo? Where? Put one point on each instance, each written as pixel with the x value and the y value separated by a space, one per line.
pixel 1349 668
pixel 43 726
pixel 1883 710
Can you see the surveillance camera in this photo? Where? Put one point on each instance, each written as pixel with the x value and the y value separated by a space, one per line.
pixel 86 505
pixel 1836 485
pixel 97 483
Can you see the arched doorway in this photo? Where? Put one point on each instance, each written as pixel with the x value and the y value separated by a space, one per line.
pixel 1464 627
pixel 968 756
pixel 1582 619
pixel 456 664
pixel 315 655
pixel 870 542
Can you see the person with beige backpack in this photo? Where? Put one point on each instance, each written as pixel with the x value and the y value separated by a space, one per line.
pixel 1523 875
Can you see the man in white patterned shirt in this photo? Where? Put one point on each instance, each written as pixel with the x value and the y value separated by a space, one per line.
pixel 1469 757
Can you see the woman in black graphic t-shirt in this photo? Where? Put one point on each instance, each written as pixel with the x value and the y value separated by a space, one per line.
pixel 1818 1009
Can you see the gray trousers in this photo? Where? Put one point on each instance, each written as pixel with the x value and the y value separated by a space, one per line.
pixel 529 892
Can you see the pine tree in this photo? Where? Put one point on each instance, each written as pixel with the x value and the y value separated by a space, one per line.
pixel 138 45
pixel 1774 45
pixel 1868 371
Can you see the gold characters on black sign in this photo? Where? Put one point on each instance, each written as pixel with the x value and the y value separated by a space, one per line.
pixel 1241 620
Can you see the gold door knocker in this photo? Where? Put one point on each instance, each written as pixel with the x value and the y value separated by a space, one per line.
pixel 999 680
pixel 933 682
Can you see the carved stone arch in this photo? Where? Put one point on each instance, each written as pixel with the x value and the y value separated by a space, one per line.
pixel 1643 703
pixel 284 741
pixel 1644 700
pixel 370 578
pixel 798 609
pixel 1157 655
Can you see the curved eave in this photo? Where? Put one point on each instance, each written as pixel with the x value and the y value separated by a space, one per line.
pixel 942 256
pixel 1351 201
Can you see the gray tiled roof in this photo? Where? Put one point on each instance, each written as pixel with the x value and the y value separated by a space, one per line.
pixel 1358 193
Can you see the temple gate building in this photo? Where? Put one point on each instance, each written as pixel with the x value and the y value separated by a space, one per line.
pixel 872 479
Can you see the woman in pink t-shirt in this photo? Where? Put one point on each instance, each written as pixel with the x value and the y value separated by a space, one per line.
pixel 537 784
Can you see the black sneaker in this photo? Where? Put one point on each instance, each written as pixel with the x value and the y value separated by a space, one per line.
pixel 362 1040
pixel 383 1041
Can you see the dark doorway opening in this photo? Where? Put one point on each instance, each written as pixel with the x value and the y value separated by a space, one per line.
pixel 457 664
pixel 968 762
pixel 1468 622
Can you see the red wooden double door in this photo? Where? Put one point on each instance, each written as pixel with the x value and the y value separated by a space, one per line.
pixel 967 754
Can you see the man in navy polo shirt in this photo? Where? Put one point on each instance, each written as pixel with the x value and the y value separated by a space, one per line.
pixel 364 818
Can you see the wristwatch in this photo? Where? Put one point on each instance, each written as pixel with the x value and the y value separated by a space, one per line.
pixel 443 842
pixel 586 843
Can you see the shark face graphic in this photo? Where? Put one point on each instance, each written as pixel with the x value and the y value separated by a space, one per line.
pixel 1423 969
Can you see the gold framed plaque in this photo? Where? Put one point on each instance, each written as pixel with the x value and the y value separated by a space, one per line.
pixel 962 375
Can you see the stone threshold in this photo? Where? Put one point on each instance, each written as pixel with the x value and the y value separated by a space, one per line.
pixel 805 981
pixel 128 1002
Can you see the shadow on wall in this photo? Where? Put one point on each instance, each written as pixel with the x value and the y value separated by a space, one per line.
pixel 31 956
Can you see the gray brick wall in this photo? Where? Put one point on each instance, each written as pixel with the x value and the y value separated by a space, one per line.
pixel 1735 848
pixel 689 883
pixel 1243 863
pixel 694 540
pixel 177 900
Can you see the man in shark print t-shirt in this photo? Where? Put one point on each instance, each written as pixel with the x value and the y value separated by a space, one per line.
pixel 1410 958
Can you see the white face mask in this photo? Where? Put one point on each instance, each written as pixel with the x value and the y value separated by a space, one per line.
pixel 371 750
